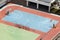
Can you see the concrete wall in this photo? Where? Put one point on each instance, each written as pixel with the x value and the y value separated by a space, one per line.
pixel 22 2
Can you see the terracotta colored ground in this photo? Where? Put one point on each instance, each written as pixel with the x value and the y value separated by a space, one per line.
pixel 47 36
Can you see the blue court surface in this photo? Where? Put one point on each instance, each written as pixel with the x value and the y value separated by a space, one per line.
pixel 30 20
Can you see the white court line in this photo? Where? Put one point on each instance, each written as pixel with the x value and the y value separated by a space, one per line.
pixel 26 8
